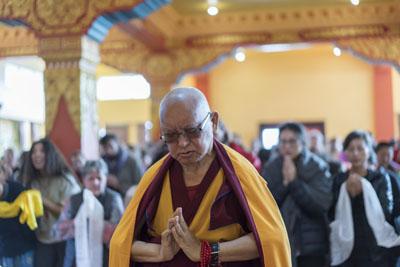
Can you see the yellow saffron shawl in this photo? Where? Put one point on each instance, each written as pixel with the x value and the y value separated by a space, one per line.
pixel 28 205
pixel 267 224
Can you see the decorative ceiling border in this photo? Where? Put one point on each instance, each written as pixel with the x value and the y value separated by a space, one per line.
pixel 17 41
pixel 374 50
pixel 71 17
pixel 175 25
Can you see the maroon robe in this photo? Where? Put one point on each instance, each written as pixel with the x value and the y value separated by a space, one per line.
pixel 226 209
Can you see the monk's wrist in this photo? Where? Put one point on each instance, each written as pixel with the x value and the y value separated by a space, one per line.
pixel 195 252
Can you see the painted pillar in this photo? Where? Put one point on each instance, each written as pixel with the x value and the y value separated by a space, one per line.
pixel 70 92
pixel 202 82
pixel 159 88
pixel 383 103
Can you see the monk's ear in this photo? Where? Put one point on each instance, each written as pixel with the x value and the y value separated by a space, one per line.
pixel 215 121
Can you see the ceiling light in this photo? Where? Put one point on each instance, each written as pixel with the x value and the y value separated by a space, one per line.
pixel 355 2
pixel 240 56
pixel 272 48
pixel 337 52
pixel 212 10
pixel 148 125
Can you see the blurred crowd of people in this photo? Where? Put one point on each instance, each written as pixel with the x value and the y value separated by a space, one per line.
pixel 320 186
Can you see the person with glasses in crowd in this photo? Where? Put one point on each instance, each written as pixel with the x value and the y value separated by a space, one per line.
pixel 202 204
pixel 300 183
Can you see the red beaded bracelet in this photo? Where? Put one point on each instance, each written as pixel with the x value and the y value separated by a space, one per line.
pixel 205 254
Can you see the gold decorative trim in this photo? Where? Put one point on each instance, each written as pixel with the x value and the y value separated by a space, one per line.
pixel 343 32
pixel 17 41
pixel 386 49
pixel 230 39
pixel 70 72
pixel 60 18
pixel 274 19
pixel 161 65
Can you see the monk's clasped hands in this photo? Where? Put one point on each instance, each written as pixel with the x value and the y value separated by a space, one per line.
pixel 183 237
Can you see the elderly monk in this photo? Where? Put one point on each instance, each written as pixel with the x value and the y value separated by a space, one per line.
pixel 201 205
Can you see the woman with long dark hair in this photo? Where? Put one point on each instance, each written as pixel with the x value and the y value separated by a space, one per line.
pixel 47 171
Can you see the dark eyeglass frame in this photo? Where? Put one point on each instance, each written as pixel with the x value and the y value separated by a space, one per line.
pixel 290 142
pixel 189 133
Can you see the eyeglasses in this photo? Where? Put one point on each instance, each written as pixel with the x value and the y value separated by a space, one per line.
pixel 290 142
pixel 190 133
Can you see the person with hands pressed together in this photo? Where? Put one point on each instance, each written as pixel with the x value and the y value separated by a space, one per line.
pixel 203 203
pixel 300 183
pixel 362 212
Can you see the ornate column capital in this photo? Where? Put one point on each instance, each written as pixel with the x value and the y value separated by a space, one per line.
pixel 68 61
pixel 69 48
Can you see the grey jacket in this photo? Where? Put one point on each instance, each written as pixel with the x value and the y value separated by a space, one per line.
pixel 304 202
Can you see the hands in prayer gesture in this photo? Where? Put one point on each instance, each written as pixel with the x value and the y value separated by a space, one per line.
pixel 190 245
pixel 177 236
pixel 288 170
pixel 353 184
pixel 169 247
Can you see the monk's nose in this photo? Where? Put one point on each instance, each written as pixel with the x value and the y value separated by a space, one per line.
pixel 183 140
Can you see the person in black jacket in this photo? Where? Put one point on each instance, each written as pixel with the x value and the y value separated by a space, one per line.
pixel 384 152
pixel 365 250
pixel 17 241
pixel 300 183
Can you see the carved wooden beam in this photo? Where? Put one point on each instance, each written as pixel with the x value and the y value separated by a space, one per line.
pixel 17 41
pixel 376 50
pixel 70 17
pixel 136 30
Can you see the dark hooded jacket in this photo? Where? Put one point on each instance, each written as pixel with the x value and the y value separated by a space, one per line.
pixel 304 203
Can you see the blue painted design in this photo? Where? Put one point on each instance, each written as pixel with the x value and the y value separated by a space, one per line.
pixel 13 23
pixel 99 29
pixel 100 26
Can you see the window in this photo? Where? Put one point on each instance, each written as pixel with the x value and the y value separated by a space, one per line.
pixel 269 137
pixel 269 133
pixel 20 80
pixel 122 87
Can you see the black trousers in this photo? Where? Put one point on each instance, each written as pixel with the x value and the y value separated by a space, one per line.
pixel 312 261
pixel 364 262
pixel 50 255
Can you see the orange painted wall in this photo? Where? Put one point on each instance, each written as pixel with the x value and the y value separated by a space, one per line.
pixel 304 85
pixel 383 103
pixel 396 101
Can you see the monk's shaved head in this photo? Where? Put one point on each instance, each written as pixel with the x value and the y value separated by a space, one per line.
pixel 187 126
pixel 187 99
